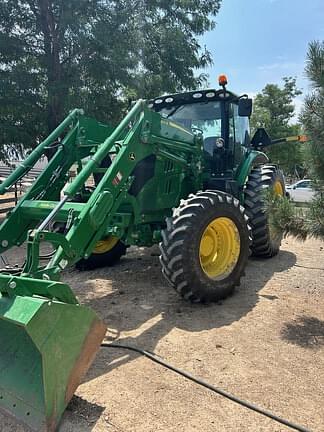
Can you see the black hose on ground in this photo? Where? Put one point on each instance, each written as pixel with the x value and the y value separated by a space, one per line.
pixel 154 357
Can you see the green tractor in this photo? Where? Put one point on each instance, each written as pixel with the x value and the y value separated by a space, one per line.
pixel 181 171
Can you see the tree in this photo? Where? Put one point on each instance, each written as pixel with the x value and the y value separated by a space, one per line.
pixel 312 115
pixel 55 55
pixel 274 109
pixel 311 222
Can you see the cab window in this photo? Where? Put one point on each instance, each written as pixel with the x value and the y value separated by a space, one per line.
pixel 205 116
pixel 239 127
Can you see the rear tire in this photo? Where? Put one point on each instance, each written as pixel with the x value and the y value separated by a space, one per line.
pixel 205 246
pixel 265 243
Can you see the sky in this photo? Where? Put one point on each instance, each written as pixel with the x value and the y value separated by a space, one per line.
pixel 256 42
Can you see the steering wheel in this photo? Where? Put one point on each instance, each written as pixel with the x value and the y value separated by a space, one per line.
pixel 196 130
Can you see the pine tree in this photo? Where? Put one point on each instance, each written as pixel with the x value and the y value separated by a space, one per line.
pixel 293 221
pixel 313 112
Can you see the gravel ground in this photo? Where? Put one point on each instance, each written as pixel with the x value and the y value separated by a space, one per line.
pixel 264 344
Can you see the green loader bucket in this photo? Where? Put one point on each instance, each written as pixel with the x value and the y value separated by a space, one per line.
pixel 46 347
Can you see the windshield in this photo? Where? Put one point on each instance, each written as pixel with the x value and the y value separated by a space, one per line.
pixel 205 116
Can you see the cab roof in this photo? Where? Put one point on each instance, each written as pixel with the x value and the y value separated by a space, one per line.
pixel 192 97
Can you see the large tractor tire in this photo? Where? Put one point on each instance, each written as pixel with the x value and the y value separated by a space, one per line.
pixel 205 246
pixel 265 242
pixel 106 253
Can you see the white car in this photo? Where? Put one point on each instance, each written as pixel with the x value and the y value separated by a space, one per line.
pixel 302 191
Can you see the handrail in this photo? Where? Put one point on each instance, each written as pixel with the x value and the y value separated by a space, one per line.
pixel 34 156
pixel 95 161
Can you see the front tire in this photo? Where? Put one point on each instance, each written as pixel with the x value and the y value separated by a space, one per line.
pixel 205 246
pixel 265 242
pixel 106 253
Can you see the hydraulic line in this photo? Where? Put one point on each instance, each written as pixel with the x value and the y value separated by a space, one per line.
pixel 155 358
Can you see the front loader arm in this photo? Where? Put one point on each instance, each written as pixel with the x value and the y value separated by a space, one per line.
pixel 31 160
pixel 139 136
pixel 97 214
pixel 47 187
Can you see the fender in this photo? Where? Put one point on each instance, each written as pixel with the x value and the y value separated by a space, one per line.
pixel 253 158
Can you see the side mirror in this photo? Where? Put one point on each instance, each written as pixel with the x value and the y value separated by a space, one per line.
pixel 245 107
pixel 261 139
pixel 295 187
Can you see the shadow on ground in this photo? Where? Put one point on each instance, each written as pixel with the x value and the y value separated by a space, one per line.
pixel 134 299
pixel 88 412
pixel 305 331
pixel 141 302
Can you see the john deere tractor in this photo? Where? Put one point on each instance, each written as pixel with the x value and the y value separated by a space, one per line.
pixel 179 170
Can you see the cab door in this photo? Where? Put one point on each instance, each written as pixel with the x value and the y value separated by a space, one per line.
pixel 239 134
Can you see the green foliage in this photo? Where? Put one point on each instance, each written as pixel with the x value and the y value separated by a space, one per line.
pixel 313 112
pixel 298 222
pixel 284 217
pixel 315 219
pixel 276 105
pixel 274 110
pixel 309 222
pixel 93 54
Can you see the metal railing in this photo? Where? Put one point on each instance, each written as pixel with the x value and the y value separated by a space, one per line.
pixel 16 181
pixel 13 194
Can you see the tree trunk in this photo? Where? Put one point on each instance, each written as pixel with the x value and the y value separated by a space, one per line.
pixel 55 85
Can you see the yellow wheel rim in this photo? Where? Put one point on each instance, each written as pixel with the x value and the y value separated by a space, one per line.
pixel 105 245
pixel 219 249
pixel 277 188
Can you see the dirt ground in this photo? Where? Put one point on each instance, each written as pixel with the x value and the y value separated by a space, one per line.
pixel 264 344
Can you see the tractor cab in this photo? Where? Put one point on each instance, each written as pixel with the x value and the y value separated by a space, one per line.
pixel 220 116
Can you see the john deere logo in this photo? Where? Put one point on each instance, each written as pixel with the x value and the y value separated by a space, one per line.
pixel 132 156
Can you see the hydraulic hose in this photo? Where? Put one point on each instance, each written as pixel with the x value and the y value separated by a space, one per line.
pixel 155 358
